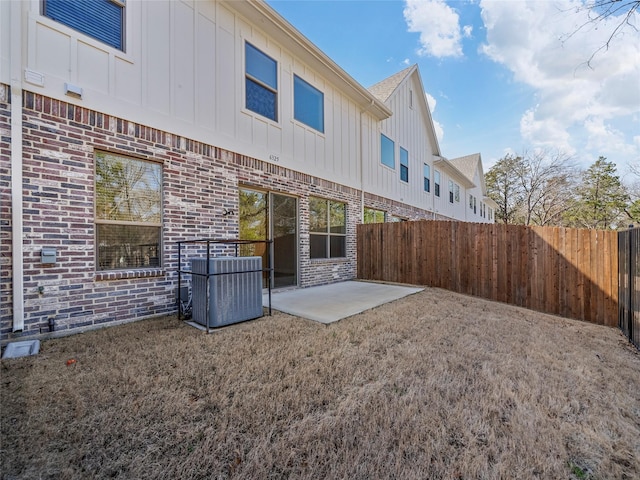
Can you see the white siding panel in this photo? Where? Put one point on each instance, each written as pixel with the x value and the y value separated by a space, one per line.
pixel 206 72
pixel 127 81
pixel 5 38
pixel 53 52
pixel 93 68
pixel 274 141
pixel 158 61
pixel 183 62
pixel 226 83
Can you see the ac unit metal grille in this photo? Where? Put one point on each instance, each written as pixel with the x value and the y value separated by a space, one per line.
pixel 235 290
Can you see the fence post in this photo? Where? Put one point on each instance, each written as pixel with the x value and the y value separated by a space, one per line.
pixel 630 306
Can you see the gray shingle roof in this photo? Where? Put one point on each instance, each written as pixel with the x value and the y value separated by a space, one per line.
pixel 467 164
pixel 383 89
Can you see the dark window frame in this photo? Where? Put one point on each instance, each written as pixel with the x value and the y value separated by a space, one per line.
pixel 123 222
pixel 331 238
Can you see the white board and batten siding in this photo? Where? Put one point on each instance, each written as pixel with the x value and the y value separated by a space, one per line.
pixel 408 127
pixel 183 72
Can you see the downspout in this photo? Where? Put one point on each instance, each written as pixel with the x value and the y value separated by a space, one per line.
pixel 17 249
pixel 361 173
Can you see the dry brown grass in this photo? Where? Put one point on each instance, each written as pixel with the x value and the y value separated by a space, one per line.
pixel 436 385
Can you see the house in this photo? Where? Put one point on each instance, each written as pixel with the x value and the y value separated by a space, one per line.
pixel 129 126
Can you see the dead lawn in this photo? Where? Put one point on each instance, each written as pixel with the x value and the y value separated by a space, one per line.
pixel 436 385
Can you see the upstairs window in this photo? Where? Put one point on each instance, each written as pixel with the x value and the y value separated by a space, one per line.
pixel 436 181
pixel 100 19
pixel 387 152
pixel 457 192
pixel 128 212
pixel 404 165
pixel 426 173
pixel 450 191
pixel 372 215
pixel 308 104
pixel 261 83
pixel 327 228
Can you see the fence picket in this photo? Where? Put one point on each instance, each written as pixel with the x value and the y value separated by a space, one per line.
pixel 554 270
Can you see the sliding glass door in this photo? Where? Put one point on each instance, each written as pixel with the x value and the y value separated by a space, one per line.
pixel 265 215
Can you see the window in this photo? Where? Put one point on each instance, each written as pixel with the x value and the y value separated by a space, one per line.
pixel 261 85
pixel 327 228
pixel 308 104
pixel 451 191
pixel 404 165
pixel 457 192
pixel 471 201
pixel 436 181
pixel 426 172
pixel 372 215
pixel 99 19
pixel 387 152
pixel 393 218
pixel 474 205
pixel 128 212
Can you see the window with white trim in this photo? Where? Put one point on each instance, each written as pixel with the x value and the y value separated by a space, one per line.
pixel 456 195
pixel 404 165
pixel 308 104
pixel 261 83
pixel 436 182
pixel 327 228
pixel 426 173
pixel 103 20
pixel 128 196
pixel 450 191
pixel 387 151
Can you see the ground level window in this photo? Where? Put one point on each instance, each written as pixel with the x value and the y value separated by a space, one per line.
pixel 372 215
pixel 327 228
pixel 128 212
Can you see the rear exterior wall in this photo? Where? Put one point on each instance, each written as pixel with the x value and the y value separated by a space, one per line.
pixel 200 183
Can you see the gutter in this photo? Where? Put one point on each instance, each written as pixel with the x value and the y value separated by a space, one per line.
pixel 17 247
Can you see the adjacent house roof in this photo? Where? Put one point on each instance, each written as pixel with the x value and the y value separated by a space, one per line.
pixel 385 88
pixel 469 165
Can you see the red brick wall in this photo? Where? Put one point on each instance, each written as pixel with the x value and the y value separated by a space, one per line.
pixel 200 183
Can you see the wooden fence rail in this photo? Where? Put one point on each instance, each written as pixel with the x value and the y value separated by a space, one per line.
pixel 629 284
pixel 567 272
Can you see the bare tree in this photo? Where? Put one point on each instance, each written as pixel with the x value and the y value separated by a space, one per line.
pixel 623 12
pixel 545 182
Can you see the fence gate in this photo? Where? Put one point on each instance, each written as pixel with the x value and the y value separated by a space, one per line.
pixel 629 284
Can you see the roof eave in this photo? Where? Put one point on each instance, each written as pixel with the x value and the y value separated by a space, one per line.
pixel 446 165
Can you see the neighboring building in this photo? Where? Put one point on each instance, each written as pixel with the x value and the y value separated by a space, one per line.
pixel 479 207
pixel 128 126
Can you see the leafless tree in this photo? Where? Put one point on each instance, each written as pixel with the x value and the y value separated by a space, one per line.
pixel 623 12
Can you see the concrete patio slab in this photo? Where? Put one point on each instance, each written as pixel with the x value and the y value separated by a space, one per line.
pixel 330 303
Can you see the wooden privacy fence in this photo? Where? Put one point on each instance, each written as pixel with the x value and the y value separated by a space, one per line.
pixel 567 272
pixel 629 281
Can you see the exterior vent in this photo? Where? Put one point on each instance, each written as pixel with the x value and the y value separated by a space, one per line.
pixel 235 290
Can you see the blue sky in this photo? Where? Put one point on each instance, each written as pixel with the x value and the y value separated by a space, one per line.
pixel 501 76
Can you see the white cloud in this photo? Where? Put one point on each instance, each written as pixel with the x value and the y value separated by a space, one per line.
pixel 438 26
pixel 467 30
pixel 577 103
pixel 437 126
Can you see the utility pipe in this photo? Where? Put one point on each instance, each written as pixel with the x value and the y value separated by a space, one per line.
pixel 17 248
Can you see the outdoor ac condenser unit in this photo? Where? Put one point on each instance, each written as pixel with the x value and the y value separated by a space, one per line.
pixel 235 290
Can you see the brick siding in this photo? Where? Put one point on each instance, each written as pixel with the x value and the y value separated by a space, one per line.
pixel 200 184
